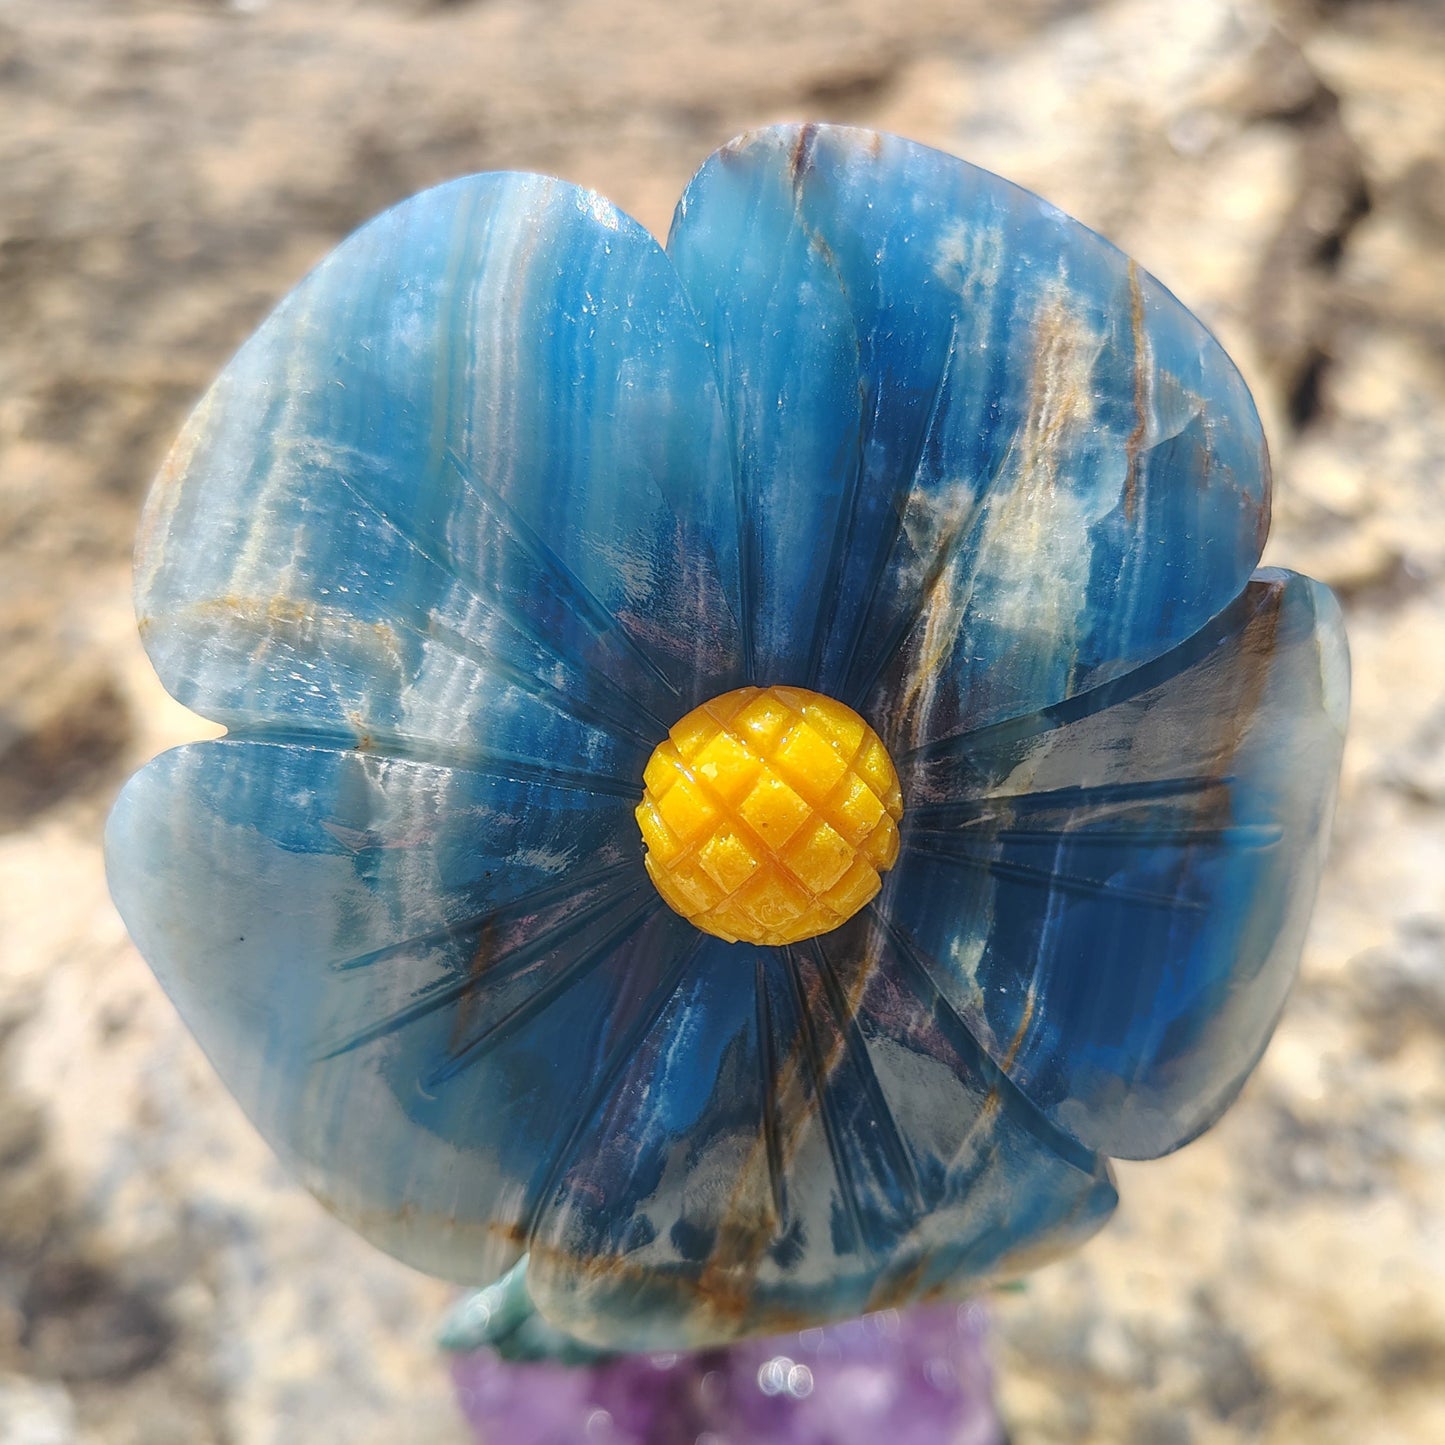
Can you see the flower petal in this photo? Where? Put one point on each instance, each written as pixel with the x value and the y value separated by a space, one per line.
pixel 407 974
pixel 1114 891
pixel 469 486
pixel 804 1134
pixel 987 462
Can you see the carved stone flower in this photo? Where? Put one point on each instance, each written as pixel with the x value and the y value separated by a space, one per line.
pixel 501 492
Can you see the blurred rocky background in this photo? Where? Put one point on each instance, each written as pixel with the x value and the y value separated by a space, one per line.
pixel 168 168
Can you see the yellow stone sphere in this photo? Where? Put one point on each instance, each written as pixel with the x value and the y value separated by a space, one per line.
pixel 769 814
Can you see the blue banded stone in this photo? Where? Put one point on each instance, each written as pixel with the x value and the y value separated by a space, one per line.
pixel 504 489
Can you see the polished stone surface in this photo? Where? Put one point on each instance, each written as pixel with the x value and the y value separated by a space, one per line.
pixel 501 491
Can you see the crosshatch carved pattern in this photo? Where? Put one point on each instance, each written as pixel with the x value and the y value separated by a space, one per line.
pixel 769 814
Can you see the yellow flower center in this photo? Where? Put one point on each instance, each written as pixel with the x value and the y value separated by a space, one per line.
pixel 768 815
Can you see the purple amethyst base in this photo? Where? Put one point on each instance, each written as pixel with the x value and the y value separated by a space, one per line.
pixel 915 1378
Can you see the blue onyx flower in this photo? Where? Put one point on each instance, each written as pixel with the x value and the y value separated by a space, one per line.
pixel 502 491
